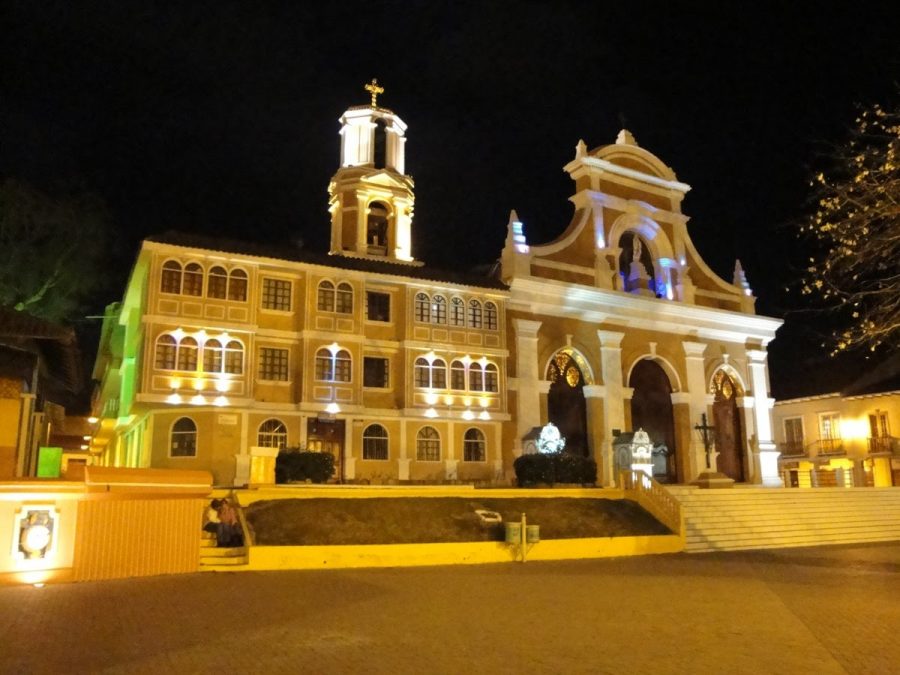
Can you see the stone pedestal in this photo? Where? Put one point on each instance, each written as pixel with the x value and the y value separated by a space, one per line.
pixel 262 466
pixel 713 479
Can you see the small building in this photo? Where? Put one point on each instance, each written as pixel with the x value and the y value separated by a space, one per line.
pixel 39 375
pixel 843 438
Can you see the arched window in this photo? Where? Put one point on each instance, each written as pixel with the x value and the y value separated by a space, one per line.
pixel 473 446
pixel 333 367
pixel 428 445
pixel 193 280
pixel 491 378
pixel 457 312
pixel 234 357
pixel 422 373
pixel 325 301
pixel 187 354
pixel 474 314
pixel 344 303
pixel 237 286
pixel 212 356
pixel 377 229
pixel 490 316
pixel 217 284
pixel 431 375
pixel 166 350
pixel 423 307
pixel 342 366
pixel 183 441
pixel 438 309
pixel 272 434
pixel 439 374
pixel 476 377
pixel 171 277
pixel 375 442
pixel 458 376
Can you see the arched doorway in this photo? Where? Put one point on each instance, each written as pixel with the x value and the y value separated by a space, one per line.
pixel 727 423
pixel 566 406
pixel 651 410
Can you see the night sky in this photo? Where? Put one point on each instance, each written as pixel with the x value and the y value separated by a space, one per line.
pixel 222 117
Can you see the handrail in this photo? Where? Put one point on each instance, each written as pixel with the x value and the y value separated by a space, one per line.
pixel 654 498
pixel 245 528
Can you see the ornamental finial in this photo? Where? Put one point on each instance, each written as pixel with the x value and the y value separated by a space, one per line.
pixel 374 89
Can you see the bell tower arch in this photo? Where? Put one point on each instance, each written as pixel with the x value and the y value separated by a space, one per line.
pixel 370 197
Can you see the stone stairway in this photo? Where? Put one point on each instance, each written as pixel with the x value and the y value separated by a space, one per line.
pixel 748 517
pixel 214 559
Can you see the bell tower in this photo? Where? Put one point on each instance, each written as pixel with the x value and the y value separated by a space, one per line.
pixel 369 197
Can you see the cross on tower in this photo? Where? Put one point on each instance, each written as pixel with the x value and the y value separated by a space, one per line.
pixel 705 430
pixel 374 89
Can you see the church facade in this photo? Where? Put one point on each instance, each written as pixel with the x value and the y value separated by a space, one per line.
pixel 224 351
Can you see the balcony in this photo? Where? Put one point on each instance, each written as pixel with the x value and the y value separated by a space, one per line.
pixel 827 447
pixel 792 449
pixel 884 445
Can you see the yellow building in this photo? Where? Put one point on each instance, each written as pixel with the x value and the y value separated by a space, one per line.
pixel 221 351
pixel 843 439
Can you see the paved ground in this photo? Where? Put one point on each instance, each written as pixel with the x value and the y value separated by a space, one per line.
pixel 823 610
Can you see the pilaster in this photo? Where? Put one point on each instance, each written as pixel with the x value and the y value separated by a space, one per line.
pixel 762 418
pixel 528 393
pixel 614 397
pixel 697 405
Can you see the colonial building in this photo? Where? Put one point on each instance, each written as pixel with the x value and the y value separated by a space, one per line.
pixel 222 351
pixel 843 438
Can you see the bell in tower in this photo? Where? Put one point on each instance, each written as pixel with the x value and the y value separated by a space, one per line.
pixel 370 198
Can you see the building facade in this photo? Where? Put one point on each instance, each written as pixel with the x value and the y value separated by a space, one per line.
pixel 840 439
pixel 222 351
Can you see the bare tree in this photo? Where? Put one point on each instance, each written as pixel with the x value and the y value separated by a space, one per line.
pixel 854 272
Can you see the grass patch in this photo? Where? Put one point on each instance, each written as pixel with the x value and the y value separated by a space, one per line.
pixel 299 522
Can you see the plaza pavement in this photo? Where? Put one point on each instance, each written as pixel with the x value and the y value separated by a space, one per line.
pixel 817 610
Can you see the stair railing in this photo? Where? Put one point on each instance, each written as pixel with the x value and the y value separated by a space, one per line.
pixel 653 498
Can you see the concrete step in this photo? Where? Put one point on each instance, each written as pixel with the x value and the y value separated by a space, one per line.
pixel 701 546
pixel 746 518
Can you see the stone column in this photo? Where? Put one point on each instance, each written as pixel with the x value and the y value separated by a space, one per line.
pixel 451 463
pixel 697 404
pixel 762 419
pixel 686 466
pixel 349 459
pixel 594 395
pixel 745 406
pixel 528 380
pixel 403 460
pixel 613 398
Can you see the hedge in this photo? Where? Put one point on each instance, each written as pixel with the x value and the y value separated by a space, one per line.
pixel 555 467
pixel 293 464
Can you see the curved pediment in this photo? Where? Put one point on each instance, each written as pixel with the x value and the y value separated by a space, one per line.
pixel 625 152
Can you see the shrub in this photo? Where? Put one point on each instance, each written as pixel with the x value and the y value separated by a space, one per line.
pixel 557 467
pixel 294 464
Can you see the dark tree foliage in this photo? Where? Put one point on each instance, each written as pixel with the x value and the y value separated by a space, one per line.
pixel 51 250
pixel 854 230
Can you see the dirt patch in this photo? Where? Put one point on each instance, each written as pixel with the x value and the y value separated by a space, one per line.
pixel 298 522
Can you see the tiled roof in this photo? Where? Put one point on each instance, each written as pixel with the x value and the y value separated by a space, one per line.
pixel 295 254
pixel 22 333
pixel 14 323
pixel 879 379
